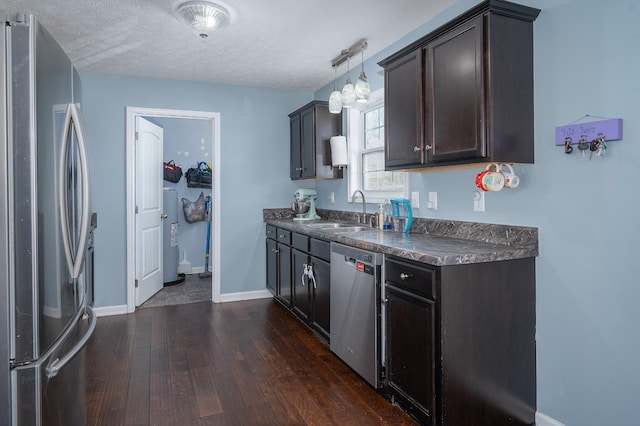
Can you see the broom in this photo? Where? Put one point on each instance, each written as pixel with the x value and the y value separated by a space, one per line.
pixel 206 273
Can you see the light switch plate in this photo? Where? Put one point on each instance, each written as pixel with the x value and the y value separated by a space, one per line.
pixel 432 204
pixel 332 198
pixel 478 201
pixel 415 200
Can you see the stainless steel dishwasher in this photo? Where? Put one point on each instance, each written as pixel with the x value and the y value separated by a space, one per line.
pixel 355 310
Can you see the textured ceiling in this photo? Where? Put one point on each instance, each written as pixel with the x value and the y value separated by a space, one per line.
pixel 282 44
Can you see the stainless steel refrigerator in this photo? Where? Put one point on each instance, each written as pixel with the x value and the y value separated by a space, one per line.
pixel 45 231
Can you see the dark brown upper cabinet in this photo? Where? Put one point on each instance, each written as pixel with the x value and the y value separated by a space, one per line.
pixel 463 93
pixel 311 129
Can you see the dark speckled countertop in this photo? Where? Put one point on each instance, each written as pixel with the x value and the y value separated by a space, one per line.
pixel 435 242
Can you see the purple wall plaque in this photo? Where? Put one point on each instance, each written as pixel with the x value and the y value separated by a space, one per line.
pixel 611 128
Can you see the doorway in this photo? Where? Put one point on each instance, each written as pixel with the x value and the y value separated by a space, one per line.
pixel 214 119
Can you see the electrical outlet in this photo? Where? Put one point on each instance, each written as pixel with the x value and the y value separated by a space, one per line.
pixel 478 201
pixel 432 204
pixel 415 200
pixel 332 198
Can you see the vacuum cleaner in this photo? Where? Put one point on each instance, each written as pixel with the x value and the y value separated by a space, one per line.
pixel 206 273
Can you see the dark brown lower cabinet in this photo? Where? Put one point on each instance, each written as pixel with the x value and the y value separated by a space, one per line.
pixel 278 253
pixel 311 272
pixel 321 296
pixel 410 338
pixel 284 292
pixel 461 341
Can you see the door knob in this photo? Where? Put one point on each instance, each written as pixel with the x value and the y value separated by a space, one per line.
pixel 163 216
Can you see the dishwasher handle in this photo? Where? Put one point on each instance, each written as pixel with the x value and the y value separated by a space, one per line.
pixel 349 259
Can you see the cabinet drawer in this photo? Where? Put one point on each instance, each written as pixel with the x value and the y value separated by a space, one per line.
pixel 271 232
pixel 320 249
pixel 284 236
pixel 300 242
pixel 410 277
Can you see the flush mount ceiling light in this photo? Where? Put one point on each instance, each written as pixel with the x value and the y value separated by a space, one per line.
pixel 202 16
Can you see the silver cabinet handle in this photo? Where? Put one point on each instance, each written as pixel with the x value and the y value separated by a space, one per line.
pixel 304 273
pixel 404 276
pixel 416 149
pixel 427 147
pixel 275 250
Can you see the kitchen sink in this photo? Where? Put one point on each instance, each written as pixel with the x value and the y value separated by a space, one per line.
pixel 330 225
pixel 339 227
pixel 351 229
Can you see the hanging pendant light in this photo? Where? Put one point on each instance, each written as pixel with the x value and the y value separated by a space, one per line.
pixel 335 99
pixel 348 91
pixel 363 88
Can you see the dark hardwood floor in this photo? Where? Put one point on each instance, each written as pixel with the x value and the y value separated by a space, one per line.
pixel 242 363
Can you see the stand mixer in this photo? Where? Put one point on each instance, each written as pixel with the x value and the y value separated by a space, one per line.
pixel 305 204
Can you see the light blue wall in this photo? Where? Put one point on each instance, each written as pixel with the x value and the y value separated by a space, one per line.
pixel 588 277
pixel 188 142
pixel 254 137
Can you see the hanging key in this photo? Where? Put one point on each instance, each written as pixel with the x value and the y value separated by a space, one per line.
pixel 583 145
pixel 593 147
pixel 602 148
pixel 568 149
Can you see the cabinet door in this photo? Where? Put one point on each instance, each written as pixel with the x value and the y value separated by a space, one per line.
pixel 411 352
pixel 296 149
pixel 272 266
pixel 283 290
pixel 300 284
pixel 320 288
pixel 404 111
pixel 307 133
pixel 455 108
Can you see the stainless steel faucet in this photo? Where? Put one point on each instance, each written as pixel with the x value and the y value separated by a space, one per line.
pixel 364 205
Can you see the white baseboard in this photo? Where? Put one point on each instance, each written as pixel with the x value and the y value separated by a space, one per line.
pixel 544 420
pixel 245 295
pixel 105 311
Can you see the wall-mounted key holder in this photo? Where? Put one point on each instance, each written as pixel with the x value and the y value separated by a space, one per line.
pixel 576 133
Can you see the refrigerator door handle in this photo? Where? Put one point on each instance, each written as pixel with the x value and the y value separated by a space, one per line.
pixel 74 260
pixel 58 364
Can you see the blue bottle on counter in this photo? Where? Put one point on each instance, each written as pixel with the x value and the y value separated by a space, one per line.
pixel 388 222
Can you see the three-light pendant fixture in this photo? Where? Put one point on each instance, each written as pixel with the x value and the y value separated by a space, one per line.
pixel 350 93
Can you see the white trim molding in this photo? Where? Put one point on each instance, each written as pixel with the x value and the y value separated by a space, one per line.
pixel 245 295
pixel 544 420
pixel 107 311
pixel 214 117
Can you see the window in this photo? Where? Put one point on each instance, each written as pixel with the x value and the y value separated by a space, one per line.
pixel 365 133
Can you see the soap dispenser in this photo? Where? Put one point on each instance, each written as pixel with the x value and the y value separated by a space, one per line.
pixel 380 217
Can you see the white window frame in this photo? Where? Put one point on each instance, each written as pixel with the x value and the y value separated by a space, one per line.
pixel 355 143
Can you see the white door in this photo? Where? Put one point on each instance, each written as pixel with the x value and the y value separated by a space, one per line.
pixel 148 156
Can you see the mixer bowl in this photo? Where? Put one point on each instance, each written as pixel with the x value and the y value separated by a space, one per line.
pixel 300 207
